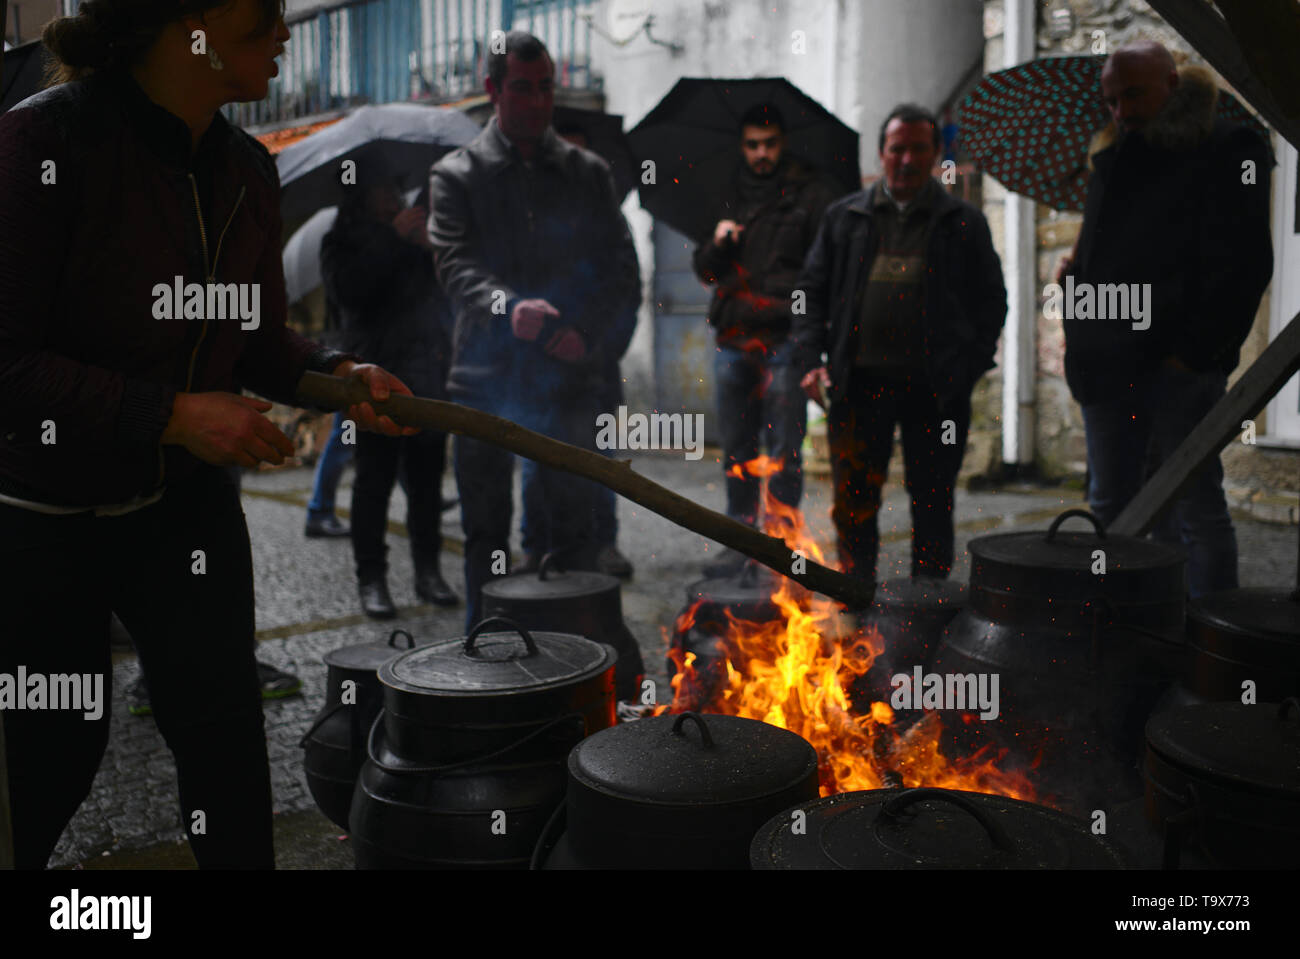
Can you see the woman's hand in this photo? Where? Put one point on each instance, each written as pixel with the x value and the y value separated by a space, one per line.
pixel 226 429
pixel 381 384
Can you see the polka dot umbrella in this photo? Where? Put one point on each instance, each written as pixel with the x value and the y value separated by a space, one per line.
pixel 1029 126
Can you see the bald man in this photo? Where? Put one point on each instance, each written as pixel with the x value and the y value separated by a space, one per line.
pixel 1175 252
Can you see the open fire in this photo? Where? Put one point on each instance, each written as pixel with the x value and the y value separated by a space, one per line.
pixel 796 671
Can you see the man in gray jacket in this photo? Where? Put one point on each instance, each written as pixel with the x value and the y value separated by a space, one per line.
pixel 537 262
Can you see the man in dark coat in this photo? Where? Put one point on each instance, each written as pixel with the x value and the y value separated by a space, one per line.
pixel 537 261
pixel 1177 217
pixel 379 279
pixel 765 225
pixel 906 300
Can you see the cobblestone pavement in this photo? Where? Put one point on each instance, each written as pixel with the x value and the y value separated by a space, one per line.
pixel 307 605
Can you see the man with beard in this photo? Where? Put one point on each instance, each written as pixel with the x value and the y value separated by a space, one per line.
pixel 906 300
pixel 1177 205
pixel 765 226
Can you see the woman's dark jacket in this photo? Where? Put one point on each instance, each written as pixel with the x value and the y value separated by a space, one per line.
pixel 99 203
pixel 384 295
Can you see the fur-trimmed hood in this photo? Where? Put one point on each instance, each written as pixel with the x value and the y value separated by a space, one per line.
pixel 1185 121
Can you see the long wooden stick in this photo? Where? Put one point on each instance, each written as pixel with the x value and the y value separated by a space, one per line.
pixel 337 393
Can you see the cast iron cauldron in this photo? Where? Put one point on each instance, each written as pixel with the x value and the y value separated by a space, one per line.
pixel 676 792
pixel 334 745
pixel 911 615
pixel 711 605
pixel 1238 635
pixel 927 829
pixel 1223 780
pixel 1081 656
pixel 586 603
pixel 466 761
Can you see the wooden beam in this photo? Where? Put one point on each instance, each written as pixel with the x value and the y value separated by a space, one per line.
pixel 1247 397
pixel 337 393
pixel 1268 33
pixel 1212 38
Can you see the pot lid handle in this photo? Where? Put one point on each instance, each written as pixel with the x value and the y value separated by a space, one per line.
pixel 892 809
pixel 1284 710
pixel 705 735
pixel 392 639
pixel 547 565
pixel 499 621
pixel 1086 514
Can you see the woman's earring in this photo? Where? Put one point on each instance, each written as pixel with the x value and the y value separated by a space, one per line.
pixel 214 60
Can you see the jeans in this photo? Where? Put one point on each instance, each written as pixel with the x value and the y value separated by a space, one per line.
pixel 860 429
pixel 60 579
pixel 483 476
pixel 1146 424
pixel 379 458
pixel 329 468
pixel 758 394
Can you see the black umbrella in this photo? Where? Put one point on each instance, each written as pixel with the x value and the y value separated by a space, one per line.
pixel 605 138
pixel 24 68
pixel 693 137
pixel 406 138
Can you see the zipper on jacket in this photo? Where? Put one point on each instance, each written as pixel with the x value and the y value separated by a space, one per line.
pixel 211 267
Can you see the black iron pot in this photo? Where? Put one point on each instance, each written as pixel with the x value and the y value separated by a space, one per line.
pixel 711 605
pixel 927 829
pixel 1238 635
pixel 586 603
pixel 1224 780
pixel 1081 657
pixel 334 745
pixel 466 761
pixel 654 795
pixel 910 615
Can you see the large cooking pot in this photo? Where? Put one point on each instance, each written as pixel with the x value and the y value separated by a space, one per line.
pixel 334 745
pixel 1238 635
pixel 1223 779
pixel 586 603
pixel 927 829
pixel 676 792
pixel 711 606
pixel 466 761
pixel 910 615
pixel 1081 654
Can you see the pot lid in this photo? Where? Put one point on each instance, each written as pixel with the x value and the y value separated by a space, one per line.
pixel 484 663
pixel 1254 748
pixel 921 591
pixel 1073 551
pixel 928 829
pixel 548 583
pixel 754 583
pixel 1266 613
pixel 692 760
pixel 368 657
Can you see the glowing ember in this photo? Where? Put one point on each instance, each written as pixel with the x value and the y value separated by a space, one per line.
pixel 795 672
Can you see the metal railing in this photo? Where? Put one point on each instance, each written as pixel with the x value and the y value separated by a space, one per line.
pixel 380 51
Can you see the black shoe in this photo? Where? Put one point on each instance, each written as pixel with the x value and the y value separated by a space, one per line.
pixel 375 601
pixel 531 564
pixel 137 699
pixel 276 683
pixel 613 563
pixel 329 527
pixel 432 588
pixel 729 563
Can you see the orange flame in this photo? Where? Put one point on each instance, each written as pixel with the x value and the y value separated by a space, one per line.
pixel 795 672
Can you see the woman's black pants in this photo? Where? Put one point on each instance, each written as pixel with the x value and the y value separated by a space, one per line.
pixel 179 575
